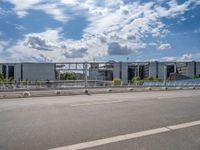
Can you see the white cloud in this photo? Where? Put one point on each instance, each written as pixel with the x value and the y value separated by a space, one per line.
pixel 117 49
pixel 69 2
pixel 197 30
pixel 50 46
pixel 184 57
pixel 21 6
pixel 50 7
pixel 164 46
pixel 4 12
pixel 19 27
pixel 54 10
pixel 111 21
pixel 3 44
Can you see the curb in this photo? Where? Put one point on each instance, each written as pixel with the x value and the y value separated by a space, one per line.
pixel 28 94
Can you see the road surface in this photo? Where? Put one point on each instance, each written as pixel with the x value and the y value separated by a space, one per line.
pixel 119 121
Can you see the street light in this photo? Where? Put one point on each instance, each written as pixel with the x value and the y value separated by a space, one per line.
pixel 85 70
pixel 165 72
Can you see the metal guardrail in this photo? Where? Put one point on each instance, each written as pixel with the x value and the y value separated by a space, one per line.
pixel 42 85
pixel 179 83
pixel 80 84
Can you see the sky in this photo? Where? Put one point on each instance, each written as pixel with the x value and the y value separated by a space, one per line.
pixel 99 30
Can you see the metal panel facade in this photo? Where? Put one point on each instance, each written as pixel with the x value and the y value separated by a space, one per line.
pixel 116 72
pixel 190 69
pixel 153 70
pixel 124 73
pixel 38 71
pixel 197 67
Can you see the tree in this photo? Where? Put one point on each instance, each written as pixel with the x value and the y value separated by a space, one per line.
pixel 68 76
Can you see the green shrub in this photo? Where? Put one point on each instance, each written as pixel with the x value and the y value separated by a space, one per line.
pixel 158 79
pixel 1 77
pixel 137 81
pixel 196 76
pixel 116 82
pixel 153 79
pixel 25 83
pixel 39 83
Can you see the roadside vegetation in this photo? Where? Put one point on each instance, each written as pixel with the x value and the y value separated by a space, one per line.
pixel 196 76
pixel 138 81
pixel 10 81
pixel 117 82
pixel 7 81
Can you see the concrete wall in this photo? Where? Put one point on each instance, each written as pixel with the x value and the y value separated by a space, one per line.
pixel 153 69
pixel 197 67
pixel 161 70
pixel 38 71
pixel 190 69
pixel 124 73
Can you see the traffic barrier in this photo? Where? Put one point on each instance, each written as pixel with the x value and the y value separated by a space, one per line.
pixel 109 90
pixel 149 88
pixel 58 92
pixel 130 89
pixel 26 94
pixel 86 91
pixel 164 88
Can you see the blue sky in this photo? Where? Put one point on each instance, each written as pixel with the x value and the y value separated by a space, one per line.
pixel 88 30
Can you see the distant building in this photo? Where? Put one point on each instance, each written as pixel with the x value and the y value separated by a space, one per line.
pixel 28 71
pixel 101 70
pixel 127 70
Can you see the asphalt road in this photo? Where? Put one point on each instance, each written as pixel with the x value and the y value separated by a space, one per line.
pixel 53 122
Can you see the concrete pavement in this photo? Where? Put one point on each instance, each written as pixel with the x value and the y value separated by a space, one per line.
pixel 51 122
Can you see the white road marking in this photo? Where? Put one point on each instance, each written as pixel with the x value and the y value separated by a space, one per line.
pixel 127 136
pixel 97 103
pixel 184 125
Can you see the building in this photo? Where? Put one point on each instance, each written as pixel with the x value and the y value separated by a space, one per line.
pixel 101 70
pixel 28 71
pixel 127 70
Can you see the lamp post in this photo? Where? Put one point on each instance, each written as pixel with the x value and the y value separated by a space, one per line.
pixel 165 71
pixel 85 71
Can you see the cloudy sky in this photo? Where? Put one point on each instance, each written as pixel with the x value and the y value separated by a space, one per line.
pixel 88 30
